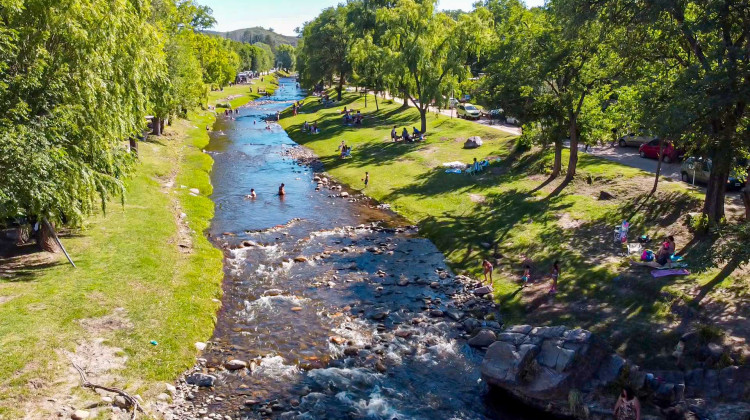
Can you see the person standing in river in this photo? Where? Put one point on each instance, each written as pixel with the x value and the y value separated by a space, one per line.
pixel 282 192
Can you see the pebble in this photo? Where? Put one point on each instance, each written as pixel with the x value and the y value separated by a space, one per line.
pixel 163 397
pixel 171 389
pixel 107 400
pixel 79 415
pixel 235 364
pixel 121 402
pixel 200 346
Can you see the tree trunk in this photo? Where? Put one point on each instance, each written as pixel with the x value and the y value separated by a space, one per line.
pixel 134 146
pixel 365 98
pixel 423 118
pixel 406 98
pixel 156 125
pixel 22 234
pixel 713 207
pixel 746 200
pixel 46 239
pixel 377 107
pixel 163 123
pixel 340 88
pixel 557 166
pixel 658 166
pixel 573 161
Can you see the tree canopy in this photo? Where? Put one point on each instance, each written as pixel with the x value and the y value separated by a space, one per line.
pixel 77 79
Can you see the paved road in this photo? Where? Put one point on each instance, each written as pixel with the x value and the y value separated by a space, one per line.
pixel 629 156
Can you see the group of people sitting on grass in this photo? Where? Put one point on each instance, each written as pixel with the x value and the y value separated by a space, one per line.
pixel 416 135
pixel 346 151
pixel 352 119
pixel 310 128
pixel 477 166
pixel 662 258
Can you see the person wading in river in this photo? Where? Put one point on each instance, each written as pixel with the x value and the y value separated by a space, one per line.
pixel 281 190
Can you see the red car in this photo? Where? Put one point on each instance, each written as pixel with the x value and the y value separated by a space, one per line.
pixel 651 150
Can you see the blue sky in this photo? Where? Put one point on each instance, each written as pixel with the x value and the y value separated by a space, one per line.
pixel 285 15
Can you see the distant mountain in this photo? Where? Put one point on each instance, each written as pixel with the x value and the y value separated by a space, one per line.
pixel 257 34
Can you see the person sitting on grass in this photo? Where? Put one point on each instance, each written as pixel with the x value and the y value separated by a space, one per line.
pixel 394 136
pixel 315 129
pixel 476 167
pixel 416 134
pixel 405 134
pixel 358 118
pixel 305 127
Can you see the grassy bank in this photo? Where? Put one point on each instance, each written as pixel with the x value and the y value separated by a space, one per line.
pixel 146 273
pixel 509 214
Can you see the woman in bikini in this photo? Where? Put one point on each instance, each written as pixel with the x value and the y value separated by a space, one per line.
pixel 628 407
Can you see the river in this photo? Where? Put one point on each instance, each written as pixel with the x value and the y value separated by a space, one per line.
pixel 335 305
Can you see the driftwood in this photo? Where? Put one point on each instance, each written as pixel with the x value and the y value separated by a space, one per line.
pixel 132 402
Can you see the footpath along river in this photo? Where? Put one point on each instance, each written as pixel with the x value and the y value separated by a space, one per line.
pixel 337 308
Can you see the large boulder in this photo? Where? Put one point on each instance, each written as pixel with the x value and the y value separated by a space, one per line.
pixel 540 366
pixel 473 142
pixel 483 339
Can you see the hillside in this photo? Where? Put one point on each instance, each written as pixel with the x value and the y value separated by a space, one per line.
pixel 257 34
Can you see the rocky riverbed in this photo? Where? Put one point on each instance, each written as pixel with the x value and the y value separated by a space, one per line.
pixel 376 300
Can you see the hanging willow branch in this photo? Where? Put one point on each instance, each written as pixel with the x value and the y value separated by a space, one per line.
pixel 132 402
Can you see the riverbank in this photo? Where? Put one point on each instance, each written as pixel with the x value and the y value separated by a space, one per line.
pixel 508 214
pixel 147 286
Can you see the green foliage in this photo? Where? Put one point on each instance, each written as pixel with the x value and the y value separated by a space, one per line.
pixel 324 50
pixel 426 52
pixel 286 57
pixel 73 87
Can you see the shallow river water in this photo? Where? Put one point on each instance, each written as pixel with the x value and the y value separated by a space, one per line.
pixel 334 304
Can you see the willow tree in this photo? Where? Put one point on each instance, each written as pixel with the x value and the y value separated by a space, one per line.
pixel 429 49
pixel 72 89
pixel 324 54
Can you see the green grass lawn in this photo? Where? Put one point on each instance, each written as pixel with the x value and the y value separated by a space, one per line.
pixel 133 284
pixel 508 214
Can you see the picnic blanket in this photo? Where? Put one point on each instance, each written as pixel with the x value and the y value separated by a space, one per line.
pixel 454 165
pixel 671 272
pixel 453 171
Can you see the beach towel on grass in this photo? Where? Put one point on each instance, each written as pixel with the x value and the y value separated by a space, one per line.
pixel 673 272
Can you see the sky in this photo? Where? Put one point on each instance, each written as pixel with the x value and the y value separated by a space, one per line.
pixel 285 15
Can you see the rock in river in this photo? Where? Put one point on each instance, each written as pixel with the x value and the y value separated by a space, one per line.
pixel 483 339
pixel 201 379
pixel 235 364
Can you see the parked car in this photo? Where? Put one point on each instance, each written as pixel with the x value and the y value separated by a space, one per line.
pixel 468 111
pixel 651 150
pixel 698 170
pixel 635 140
